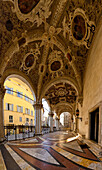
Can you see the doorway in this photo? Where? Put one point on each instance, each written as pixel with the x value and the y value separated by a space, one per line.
pixel 94 125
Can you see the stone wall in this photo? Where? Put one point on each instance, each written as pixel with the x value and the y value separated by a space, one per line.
pixel 92 89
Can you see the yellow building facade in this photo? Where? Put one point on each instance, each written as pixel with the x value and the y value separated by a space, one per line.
pixel 18 103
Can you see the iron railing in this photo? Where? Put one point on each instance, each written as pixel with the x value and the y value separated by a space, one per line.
pixel 17 132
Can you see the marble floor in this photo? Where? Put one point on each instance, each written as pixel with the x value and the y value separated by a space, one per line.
pixel 57 151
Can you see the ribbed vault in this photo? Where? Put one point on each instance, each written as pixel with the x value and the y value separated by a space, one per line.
pixel 48 41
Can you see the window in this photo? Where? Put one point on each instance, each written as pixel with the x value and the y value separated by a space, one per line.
pixel 27 119
pixel 20 119
pixel 19 94
pixel 31 101
pixel 26 98
pixel 9 90
pixel 9 106
pixel 10 118
pixel 31 112
pixel 20 109
pixel 27 111
pixel 31 121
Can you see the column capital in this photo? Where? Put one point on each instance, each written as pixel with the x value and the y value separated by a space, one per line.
pixel 51 114
pixel 2 91
pixel 38 105
pixel 80 100
pixel 57 118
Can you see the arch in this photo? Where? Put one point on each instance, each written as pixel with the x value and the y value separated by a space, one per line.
pixel 62 80
pixel 65 104
pixel 64 107
pixel 9 73
pixel 31 36
pixel 62 111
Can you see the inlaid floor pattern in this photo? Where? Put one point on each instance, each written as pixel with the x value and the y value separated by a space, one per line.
pixel 47 152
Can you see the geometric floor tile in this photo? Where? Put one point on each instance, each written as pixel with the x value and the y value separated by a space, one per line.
pixel 2 164
pixel 73 145
pixel 31 140
pixel 41 154
pixel 53 139
pixel 20 162
pixel 79 160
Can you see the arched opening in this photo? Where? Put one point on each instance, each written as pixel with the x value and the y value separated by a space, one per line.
pixel 19 114
pixel 66 121
pixel 46 110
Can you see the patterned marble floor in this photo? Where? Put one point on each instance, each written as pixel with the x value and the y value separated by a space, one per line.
pixel 57 151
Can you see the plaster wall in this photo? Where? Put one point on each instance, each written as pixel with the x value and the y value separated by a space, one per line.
pixel 92 89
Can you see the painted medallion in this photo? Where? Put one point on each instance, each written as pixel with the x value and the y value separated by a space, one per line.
pixel 29 60
pixel 56 65
pixel 78 27
pixel 26 6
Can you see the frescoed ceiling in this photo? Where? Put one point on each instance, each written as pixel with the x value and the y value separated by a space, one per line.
pixel 61 93
pixel 49 40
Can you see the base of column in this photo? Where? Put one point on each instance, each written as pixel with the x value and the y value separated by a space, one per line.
pixel 51 131
pixel 2 139
pixel 76 130
pixel 38 134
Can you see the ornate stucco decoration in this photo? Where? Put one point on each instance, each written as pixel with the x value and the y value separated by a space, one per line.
pixel 29 60
pixel 55 64
pixel 80 100
pixel 42 68
pixel 49 36
pixel 30 10
pixel 59 93
pixel 79 28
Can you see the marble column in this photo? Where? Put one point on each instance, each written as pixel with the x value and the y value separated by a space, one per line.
pixel 100 125
pixel 51 121
pixel 38 110
pixel 57 123
pixel 2 93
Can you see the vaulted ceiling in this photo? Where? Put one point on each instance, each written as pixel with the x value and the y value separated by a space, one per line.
pixel 49 40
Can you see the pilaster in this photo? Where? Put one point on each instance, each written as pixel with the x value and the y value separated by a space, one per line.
pixel 38 107
pixel 51 121
pixel 2 93
pixel 100 125
pixel 57 123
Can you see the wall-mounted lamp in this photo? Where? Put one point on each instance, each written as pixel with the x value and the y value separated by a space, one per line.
pixel 72 119
pixel 77 114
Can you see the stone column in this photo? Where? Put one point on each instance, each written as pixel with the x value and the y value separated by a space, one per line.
pixel 100 125
pixel 77 129
pixel 38 111
pixel 2 93
pixel 57 123
pixel 51 121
